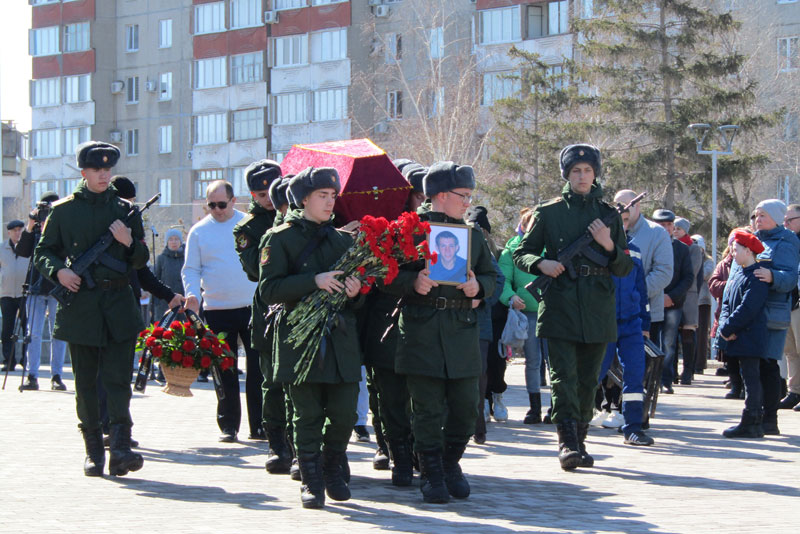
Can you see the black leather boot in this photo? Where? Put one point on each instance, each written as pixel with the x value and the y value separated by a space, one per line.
pixel 312 492
pixel 748 427
pixel 432 483
pixel 454 479
pixel 586 458
pixel 122 458
pixel 789 401
pixel 402 467
pixel 279 461
pixel 380 462
pixel 333 475
pixel 770 423
pixel 95 453
pixel 568 449
pixel 534 415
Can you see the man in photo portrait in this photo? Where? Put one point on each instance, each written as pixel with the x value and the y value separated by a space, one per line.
pixel 450 267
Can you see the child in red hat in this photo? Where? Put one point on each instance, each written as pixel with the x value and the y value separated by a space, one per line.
pixel 742 331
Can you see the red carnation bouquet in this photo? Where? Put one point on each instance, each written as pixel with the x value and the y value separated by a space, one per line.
pixel 180 345
pixel 380 247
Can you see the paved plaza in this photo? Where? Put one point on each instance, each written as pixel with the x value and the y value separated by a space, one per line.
pixel 692 480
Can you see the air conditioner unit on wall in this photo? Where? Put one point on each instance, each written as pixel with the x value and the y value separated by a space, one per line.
pixel 117 86
pixel 270 17
pixel 381 11
pixel 115 136
pixel 151 85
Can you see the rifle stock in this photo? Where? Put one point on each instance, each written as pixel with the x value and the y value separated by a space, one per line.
pixel 147 355
pixel 82 263
pixel 539 287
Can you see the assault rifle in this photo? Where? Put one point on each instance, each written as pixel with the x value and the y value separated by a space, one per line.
pixel 579 247
pixel 216 377
pixel 94 255
pixel 147 354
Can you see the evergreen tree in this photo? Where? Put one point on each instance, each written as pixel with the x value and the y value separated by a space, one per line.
pixel 657 66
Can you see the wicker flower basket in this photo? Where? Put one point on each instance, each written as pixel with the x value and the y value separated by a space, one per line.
pixel 179 379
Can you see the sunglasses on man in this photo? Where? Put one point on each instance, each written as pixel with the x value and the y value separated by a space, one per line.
pixel 221 205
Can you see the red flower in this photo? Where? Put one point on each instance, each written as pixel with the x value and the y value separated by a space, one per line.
pixel 176 325
pixel 205 362
pixel 187 361
pixel 216 350
pixel 205 344
pixel 158 351
pixel 158 332
pixel 361 270
pixel 189 331
pixel 434 258
pixel 365 289
pixel 226 363
pixel 143 333
pixel 150 342
pixel 168 334
pixel 226 347
pixel 188 345
pixel 370 280
pixel 176 356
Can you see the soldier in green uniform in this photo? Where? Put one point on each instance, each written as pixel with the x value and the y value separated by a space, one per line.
pixel 438 349
pixel 248 233
pixel 101 324
pixel 578 317
pixel 294 262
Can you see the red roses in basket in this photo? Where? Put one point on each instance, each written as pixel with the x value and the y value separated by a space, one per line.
pixel 181 345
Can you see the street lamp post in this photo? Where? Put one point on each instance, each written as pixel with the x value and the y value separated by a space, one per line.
pixel 727 134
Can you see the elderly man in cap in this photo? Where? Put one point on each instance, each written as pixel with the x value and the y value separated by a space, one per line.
pixel 40 302
pixel 212 272
pixel 674 296
pixel 13 272
pixel 260 176
pixel 778 262
pixel 577 317
pixel 690 310
pixel 294 262
pixel 438 348
pixel 101 323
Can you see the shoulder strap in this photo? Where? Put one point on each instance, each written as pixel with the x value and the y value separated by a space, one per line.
pixel 310 247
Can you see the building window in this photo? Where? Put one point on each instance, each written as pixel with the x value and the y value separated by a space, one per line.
pixel 42 3
pixel 791 127
pixel 788 56
pixel 45 92
pixel 247 68
pixel 394 48
pixel 165 33
pixel 555 76
pixel 289 4
pixel 278 156
pixel 238 182
pixel 248 124
pixel 329 45
pixel 587 11
pixel 209 18
pixel 165 139
pixel 436 102
pixel 165 188
pixel 204 178
pixel 45 144
pixel 73 137
pixel 210 129
pixel 290 108
pixel 165 86
pixel 325 2
pixel 132 142
pixel 133 89
pixel 70 185
pixel 77 88
pixel 787 1
pixel 291 50
pixel 500 25
pixel 132 38
pixel 394 105
pixel 497 85
pixel 437 43
pixel 330 104
pixel 548 19
pixel 245 13
pixel 40 188
pixel 76 37
pixel 44 41
pixel 209 73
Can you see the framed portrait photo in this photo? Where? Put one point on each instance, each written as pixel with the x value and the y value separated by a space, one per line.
pixel 451 243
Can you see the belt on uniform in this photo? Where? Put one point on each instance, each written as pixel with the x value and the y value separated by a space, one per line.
pixel 586 270
pixel 117 283
pixel 440 303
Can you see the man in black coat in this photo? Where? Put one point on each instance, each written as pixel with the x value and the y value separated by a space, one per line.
pixel 674 295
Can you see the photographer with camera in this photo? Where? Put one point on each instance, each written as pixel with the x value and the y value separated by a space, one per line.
pixel 13 269
pixel 40 302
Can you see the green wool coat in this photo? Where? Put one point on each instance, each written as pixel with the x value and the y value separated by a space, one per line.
pixel 77 222
pixel 442 343
pixel 581 310
pixel 278 285
pixel 247 235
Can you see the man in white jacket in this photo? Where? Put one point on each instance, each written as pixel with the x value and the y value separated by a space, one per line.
pixel 13 269
pixel 212 273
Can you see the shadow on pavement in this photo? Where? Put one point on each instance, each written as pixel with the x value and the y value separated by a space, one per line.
pixel 211 456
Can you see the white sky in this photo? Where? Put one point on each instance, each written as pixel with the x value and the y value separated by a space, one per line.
pixel 15 63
